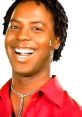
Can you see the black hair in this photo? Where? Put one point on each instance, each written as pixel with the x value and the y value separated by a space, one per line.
pixel 59 16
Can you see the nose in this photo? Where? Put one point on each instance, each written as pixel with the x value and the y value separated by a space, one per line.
pixel 24 34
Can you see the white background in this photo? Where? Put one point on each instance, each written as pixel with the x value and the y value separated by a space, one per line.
pixel 69 68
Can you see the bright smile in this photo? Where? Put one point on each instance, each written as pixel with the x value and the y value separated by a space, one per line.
pixel 22 54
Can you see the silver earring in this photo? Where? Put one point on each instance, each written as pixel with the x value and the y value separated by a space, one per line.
pixel 51 56
pixel 50 43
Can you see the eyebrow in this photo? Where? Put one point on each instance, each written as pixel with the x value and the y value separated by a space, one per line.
pixel 39 22
pixel 32 22
pixel 14 20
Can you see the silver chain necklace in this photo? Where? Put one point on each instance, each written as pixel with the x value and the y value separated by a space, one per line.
pixel 21 96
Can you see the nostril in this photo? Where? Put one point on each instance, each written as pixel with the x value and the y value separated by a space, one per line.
pixel 23 42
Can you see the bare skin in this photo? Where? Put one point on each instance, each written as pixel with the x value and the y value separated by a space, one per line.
pixel 29 29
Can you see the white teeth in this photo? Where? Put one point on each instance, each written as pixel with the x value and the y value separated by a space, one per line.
pixel 24 51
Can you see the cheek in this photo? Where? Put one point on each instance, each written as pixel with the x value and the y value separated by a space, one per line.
pixel 6 42
pixel 45 48
pixel 9 38
pixel 7 46
pixel 43 40
pixel 44 44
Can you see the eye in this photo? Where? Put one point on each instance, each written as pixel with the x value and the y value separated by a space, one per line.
pixel 37 29
pixel 14 27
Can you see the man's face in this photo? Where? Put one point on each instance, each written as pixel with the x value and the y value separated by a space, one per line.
pixel 27 39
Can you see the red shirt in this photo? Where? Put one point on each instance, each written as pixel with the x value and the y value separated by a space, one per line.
pixel 51 101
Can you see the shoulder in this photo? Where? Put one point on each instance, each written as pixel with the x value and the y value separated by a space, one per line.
pixel 4 94
pixel 64 105
pixel 71 106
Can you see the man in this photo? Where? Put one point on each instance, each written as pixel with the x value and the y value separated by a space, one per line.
pixel 35 31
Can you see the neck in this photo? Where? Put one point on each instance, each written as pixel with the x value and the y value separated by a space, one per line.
pixel 26 84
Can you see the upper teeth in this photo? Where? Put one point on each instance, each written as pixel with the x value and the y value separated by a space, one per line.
pixel 24 51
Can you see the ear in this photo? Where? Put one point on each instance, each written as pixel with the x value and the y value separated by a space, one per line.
pixel 57 43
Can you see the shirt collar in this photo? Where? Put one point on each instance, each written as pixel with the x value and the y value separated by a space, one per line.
pixel 54 91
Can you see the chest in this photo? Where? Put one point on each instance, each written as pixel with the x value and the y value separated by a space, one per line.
pixel 38 108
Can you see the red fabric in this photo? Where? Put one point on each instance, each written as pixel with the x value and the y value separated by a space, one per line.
pixel 51 101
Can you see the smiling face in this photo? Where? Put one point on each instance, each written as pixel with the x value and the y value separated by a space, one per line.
pixel 27 39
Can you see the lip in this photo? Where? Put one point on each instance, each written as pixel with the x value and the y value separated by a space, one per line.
pixel 23 57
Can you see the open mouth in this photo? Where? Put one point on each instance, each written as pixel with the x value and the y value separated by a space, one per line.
pixel 24 53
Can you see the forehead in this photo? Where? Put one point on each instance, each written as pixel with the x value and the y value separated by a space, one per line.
pixel 32 10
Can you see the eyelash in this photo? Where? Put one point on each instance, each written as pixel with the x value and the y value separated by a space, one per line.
pixel 37 29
